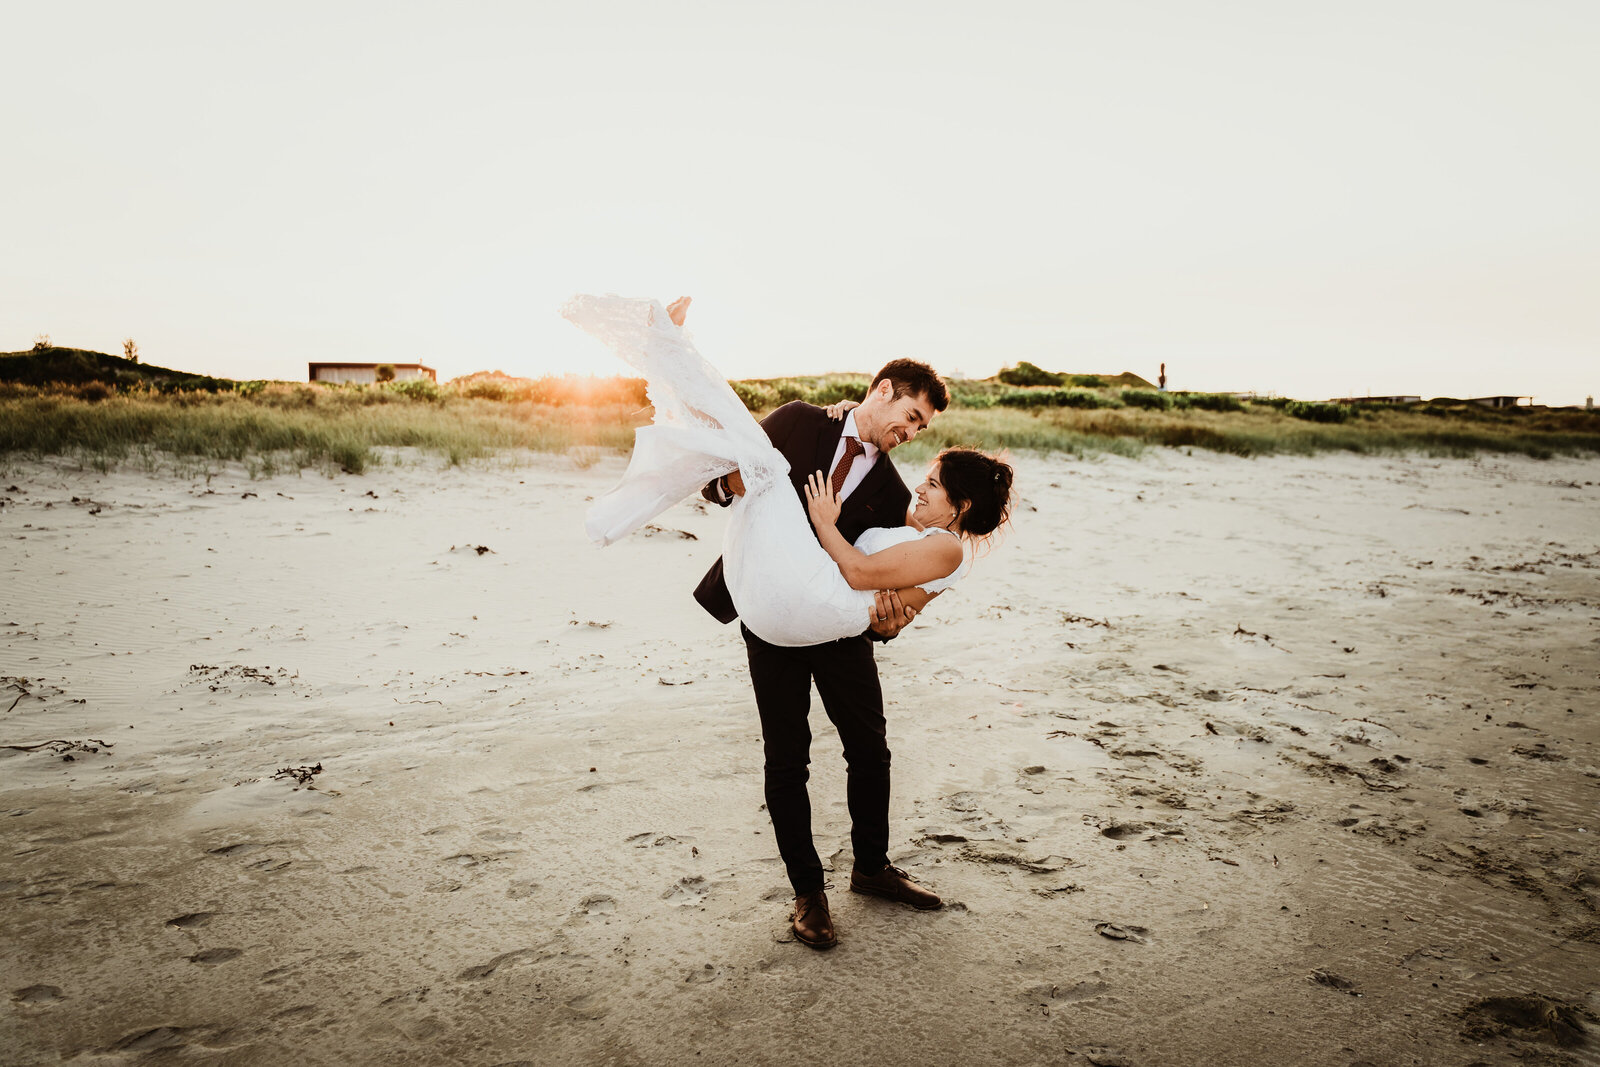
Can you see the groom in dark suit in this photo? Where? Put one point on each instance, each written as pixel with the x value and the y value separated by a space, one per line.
pixel 903 398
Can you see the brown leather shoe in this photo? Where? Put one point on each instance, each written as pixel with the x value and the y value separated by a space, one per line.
pixel 895 884
pixel 813 925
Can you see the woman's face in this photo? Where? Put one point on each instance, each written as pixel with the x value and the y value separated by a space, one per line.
pixel 933 504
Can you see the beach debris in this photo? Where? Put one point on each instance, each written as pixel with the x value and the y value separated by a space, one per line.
pixel 1332 980
pixel 1531 1018
pixel 651 530
pixel 221 679
pixel 193 918
pixel 63 748
pixel 301 775
pixel 1139 935
pixel 479 549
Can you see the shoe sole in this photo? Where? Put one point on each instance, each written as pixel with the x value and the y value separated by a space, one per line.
pixel 898 900
pixel 818 945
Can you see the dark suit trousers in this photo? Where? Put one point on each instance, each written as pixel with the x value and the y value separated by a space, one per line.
pixel 847 680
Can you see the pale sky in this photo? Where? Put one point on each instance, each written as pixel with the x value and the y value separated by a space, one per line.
pixel 1312 199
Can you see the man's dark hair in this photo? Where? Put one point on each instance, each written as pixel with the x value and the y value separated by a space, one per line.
pixel 910 378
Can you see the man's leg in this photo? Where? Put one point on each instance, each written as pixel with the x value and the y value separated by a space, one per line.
pixel 781 678
pixel 847 680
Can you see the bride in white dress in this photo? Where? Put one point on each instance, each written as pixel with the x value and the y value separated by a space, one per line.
pixel 791 587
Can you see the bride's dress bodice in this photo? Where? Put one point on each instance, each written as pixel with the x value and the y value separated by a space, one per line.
pixel 786 587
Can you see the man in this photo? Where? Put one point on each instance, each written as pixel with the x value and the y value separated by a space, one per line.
pixel 902 400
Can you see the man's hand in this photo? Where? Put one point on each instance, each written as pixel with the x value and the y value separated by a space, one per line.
pixel 821 500
pixel 678 309
pixel 734 483
pixel 889 615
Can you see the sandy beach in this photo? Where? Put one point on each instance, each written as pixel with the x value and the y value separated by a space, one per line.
pixel 1214 760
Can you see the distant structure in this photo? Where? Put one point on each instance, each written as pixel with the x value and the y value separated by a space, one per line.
pixel 1161 382
pixel 1501 401
pixel 368 372
pixel 1376 400
pixel 1588 403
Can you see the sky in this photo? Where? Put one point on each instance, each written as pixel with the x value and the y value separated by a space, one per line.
pixel 1306 199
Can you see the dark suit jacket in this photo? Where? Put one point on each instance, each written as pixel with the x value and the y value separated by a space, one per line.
pixel 807 438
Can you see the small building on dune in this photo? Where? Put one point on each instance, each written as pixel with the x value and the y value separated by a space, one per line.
pixel 367 373
pixel 1501 401
pixel 1398 399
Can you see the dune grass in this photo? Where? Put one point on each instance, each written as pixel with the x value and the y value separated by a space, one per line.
pixel 334 434
pixel 284 425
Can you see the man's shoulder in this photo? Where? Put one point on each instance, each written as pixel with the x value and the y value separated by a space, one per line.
pixel 799 409
pixel 793 416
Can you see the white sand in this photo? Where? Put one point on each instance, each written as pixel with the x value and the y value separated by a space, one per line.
pixel 1290 715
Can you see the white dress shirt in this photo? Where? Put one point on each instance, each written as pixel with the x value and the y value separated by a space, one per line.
pixel 863 462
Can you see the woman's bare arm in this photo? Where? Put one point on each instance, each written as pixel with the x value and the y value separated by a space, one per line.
pixel 924 560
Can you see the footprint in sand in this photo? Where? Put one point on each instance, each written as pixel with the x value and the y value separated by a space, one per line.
pixel 689 890
pixel 484 970
pixel 588 1006
pixel 44 994
pixel 216 955
pixel 701 975
pixel 596 906
pixel 194 918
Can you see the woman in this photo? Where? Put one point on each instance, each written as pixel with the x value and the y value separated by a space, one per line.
pixel 791 588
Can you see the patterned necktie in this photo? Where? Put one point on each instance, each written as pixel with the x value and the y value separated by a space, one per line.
pixel 852 449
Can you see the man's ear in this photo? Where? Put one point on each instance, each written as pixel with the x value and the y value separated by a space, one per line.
pixel 884 390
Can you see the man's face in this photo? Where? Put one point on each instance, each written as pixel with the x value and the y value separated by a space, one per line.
pixel 897 419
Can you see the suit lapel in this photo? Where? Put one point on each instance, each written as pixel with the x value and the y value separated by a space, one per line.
pixel 877 475
pixel 827 445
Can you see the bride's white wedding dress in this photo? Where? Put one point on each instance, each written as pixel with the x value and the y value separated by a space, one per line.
pixel 786 587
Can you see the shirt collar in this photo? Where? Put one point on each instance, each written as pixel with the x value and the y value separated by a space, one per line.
pixel 868 449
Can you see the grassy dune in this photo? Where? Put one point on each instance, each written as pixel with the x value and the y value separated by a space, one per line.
pixel 112 411
pixel 329 434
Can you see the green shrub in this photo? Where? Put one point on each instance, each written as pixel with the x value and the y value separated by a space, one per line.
pixel 833 392
pixel 1313 412
pixel 1060 398
pixel 489 389
pixel 1088 381
pixel 1147 398
pixel 1026 373
pixel 754 395
pixel 415 389
pixel 1210 401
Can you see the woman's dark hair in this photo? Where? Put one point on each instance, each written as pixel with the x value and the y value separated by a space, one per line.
pixel 909 378
pixel 979 488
